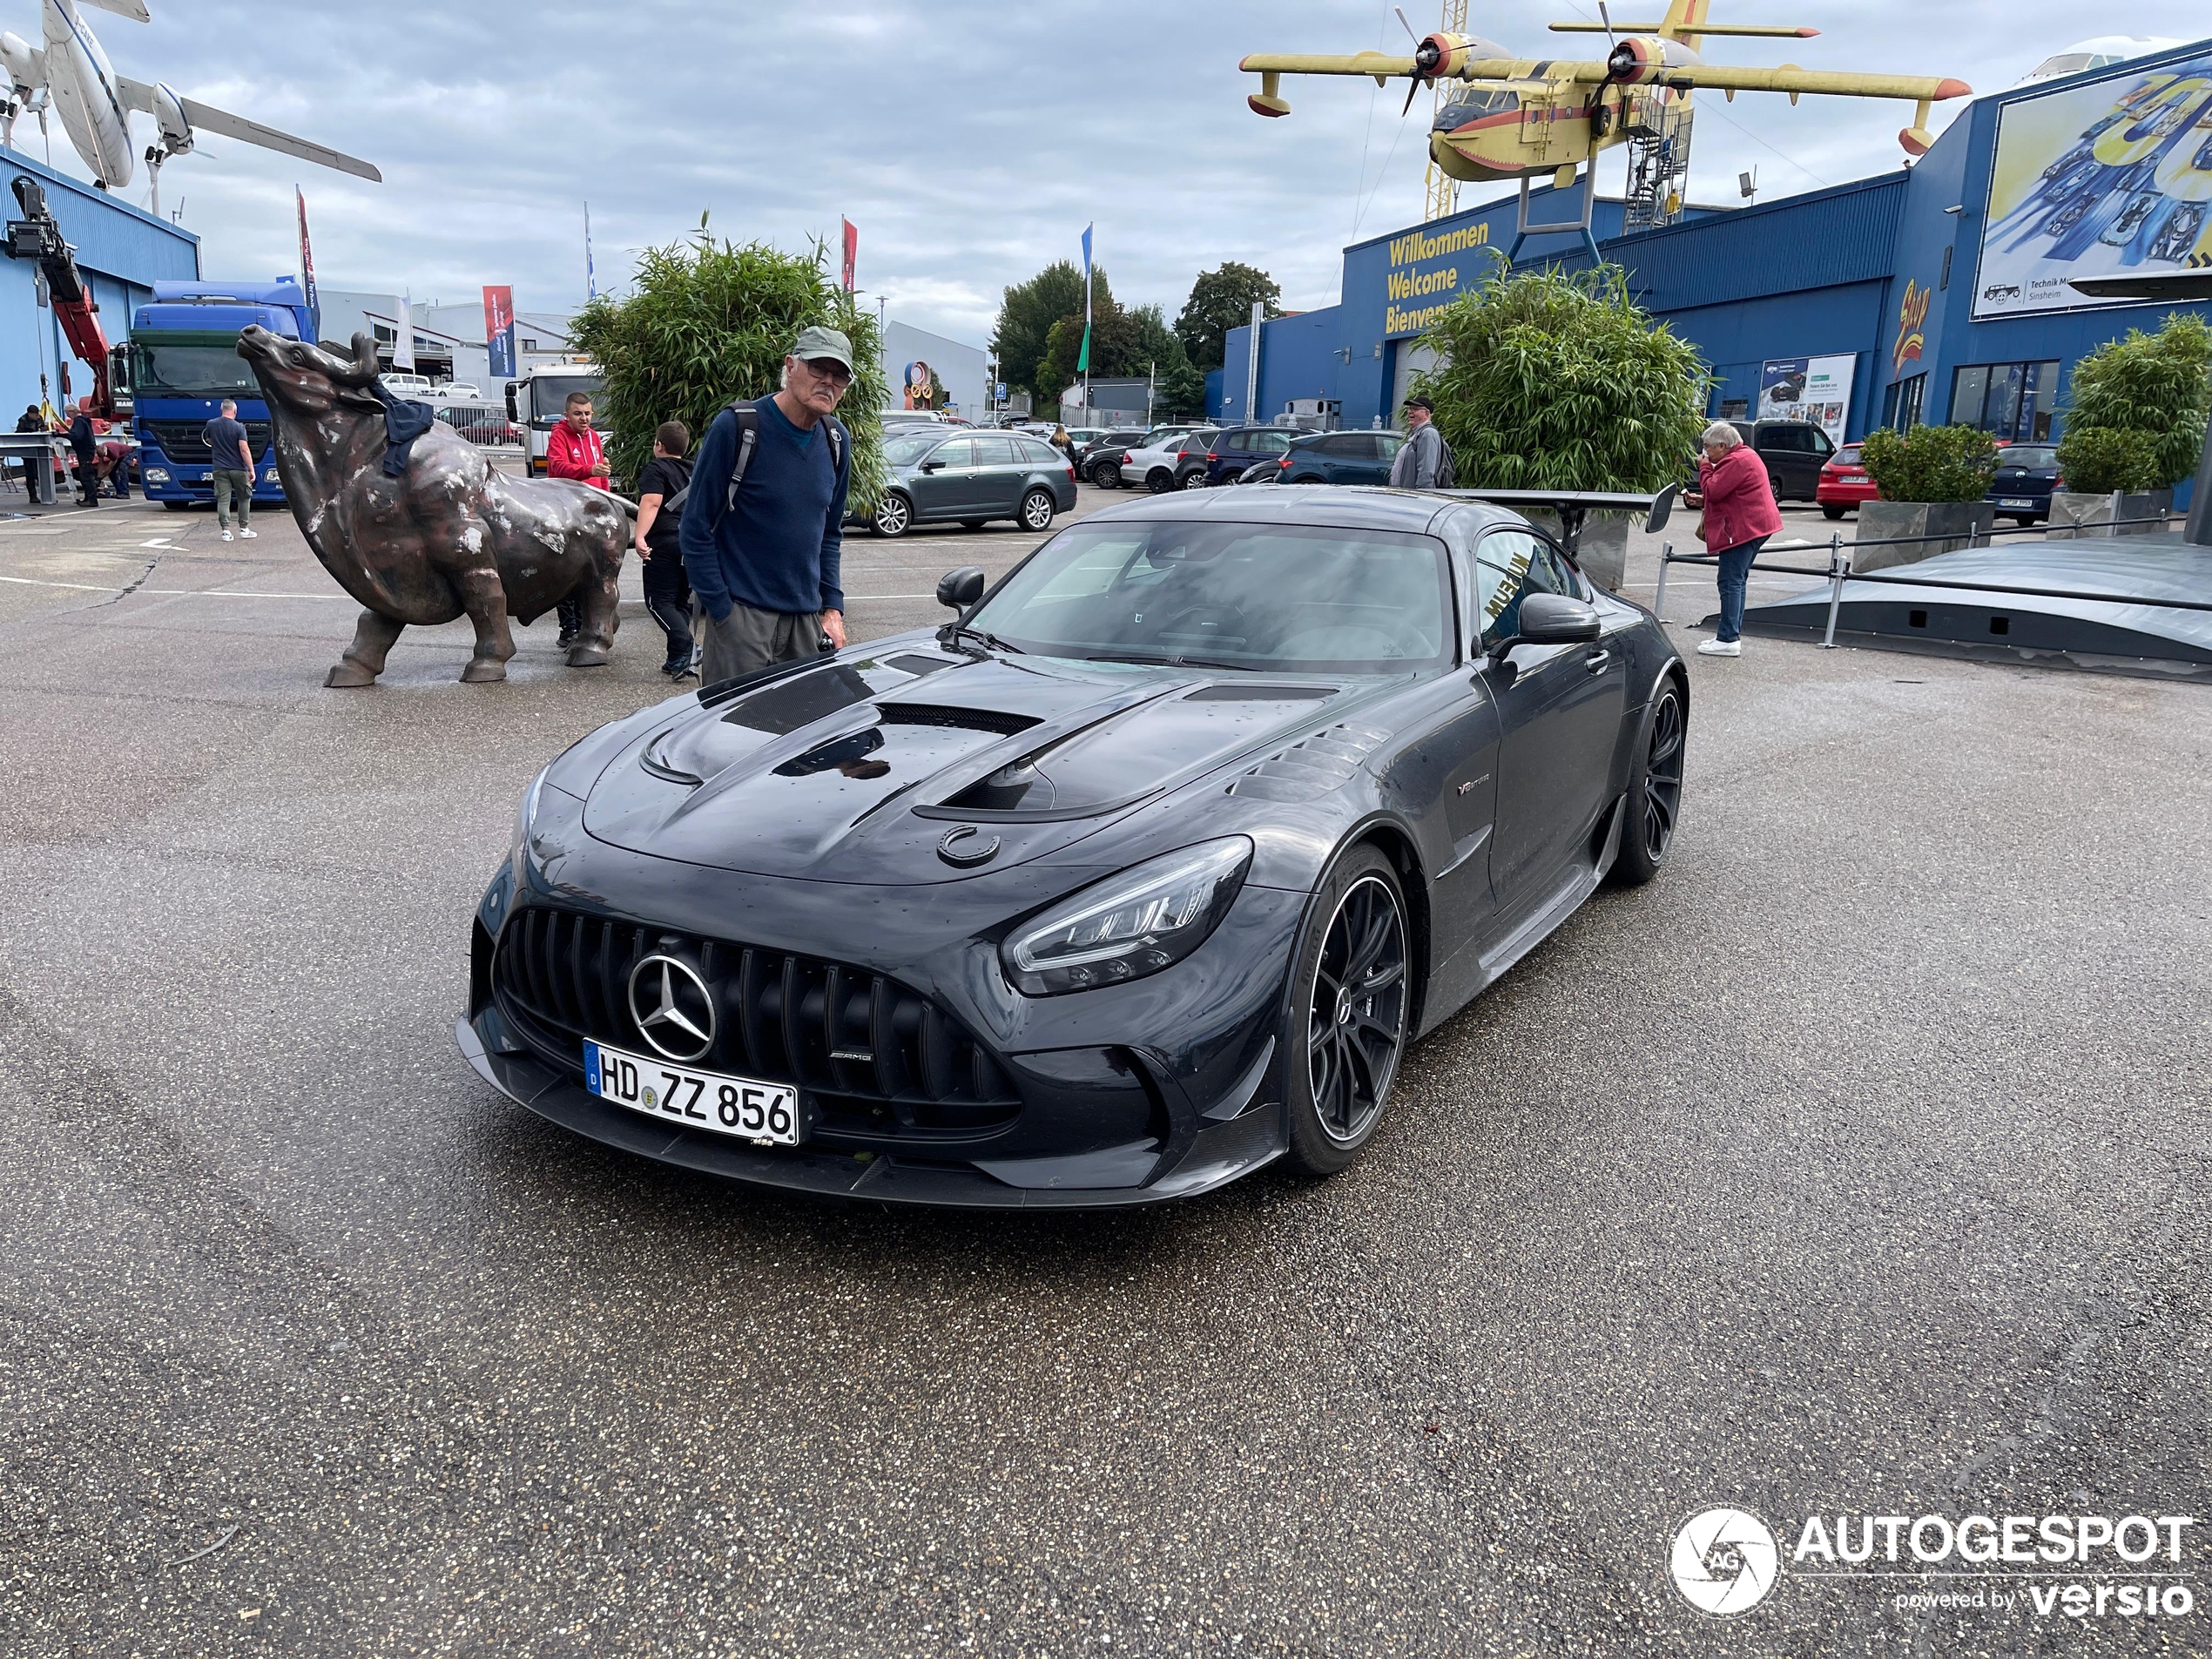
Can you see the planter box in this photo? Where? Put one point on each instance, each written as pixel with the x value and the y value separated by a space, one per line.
pixel 1960 524
pixel 1603 552
pixel 2075 515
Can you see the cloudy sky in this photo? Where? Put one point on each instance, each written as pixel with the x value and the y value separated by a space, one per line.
pixel 970 142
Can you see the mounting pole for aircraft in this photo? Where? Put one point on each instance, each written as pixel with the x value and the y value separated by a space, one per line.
pixel 1586 185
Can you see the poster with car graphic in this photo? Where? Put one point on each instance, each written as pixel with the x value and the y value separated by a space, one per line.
pixel 2110 178
pixel 1808 388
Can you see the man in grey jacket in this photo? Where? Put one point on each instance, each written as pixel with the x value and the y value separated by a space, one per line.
pixel 1420 458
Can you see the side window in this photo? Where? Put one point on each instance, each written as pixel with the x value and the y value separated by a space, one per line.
pixel 994 452
pixel 1039 455
pixel 1549 572
pixel 1502 562
pixel 1389 443
pixel 955 454
pixel 1273 443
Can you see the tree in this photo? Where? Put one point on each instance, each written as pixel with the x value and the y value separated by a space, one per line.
pixel 1028 311
pixel 708 320
pixel 1114 337
pixel 1557 381
pixel 2153 389
pixel 1222 299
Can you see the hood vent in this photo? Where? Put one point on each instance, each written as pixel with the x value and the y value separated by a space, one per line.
pixel 993 720
pixel 1232 692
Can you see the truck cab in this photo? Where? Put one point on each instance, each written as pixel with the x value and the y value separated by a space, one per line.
pixel 537 399
pixel 184 361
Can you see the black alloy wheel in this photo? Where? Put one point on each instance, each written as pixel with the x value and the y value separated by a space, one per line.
pixel 1159 481
pixel 894 514
pixel 1105 474
pixel 1653 803
pixel 1351 1005
pixel 1037 508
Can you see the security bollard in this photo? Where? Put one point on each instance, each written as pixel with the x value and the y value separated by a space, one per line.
pixel 1837 565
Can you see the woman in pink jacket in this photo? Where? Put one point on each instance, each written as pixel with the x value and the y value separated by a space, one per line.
pixel 1740 514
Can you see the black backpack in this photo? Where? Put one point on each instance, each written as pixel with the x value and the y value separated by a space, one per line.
pixel 748 440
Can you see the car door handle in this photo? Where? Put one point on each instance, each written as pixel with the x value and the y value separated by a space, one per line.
pixel 1596 660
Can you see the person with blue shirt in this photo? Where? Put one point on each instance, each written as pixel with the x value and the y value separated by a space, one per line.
pixel 764 566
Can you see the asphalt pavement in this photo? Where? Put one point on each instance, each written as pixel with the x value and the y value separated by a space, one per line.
pixel 1856 1165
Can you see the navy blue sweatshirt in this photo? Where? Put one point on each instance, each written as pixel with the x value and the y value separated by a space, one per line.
pixel 780 547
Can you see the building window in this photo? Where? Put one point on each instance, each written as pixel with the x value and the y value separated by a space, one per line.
pixel 385 336
pixel 528 344
pixel 1901 403
pixel 2014 401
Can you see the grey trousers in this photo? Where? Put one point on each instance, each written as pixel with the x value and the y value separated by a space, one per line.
pixel 747 639
pixel 230 481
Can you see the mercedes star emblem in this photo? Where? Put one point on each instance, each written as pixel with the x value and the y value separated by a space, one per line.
pixel 670 1004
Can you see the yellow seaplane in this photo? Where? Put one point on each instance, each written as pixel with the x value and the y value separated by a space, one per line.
pixel 1520 117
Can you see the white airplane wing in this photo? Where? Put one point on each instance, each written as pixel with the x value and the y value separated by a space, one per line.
pixel 136 95
pixel 207 118
pixel 134 10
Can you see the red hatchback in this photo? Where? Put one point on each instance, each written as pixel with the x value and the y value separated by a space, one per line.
pixel 1843 483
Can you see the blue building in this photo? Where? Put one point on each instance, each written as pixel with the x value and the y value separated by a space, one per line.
pixel 122 251
pixel 1938 293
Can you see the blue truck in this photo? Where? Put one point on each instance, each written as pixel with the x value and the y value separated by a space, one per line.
pixel 185 362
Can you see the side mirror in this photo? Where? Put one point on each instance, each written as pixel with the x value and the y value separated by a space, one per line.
pixel 511 402
pixel 957 590
pixel 933 466
pixel 1554 619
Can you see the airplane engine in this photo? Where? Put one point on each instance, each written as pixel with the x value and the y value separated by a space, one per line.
pixel 1441 55
pixel 16 56
pixel 169 112
pixel 1641 58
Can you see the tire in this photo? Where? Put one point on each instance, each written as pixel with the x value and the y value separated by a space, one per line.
pixel 1037 510
pixel 894 514
pixel 1105 475
pixel 973 524
pixel 1194 479
pixel 1830 510
pixel 1654 802
pixel 1355 958
pixel 1159 481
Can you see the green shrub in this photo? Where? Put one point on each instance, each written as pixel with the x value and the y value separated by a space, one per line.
pixel 2099 460
pixel 1930 462
pixel 1554 381
pixel 710 320
pixel 2152 386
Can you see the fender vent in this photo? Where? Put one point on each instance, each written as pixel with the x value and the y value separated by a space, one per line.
pixel 1311 766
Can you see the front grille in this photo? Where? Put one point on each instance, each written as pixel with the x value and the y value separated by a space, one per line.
pixel 874 1058
pixel 185 441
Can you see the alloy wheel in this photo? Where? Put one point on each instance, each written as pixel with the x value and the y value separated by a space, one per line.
pixel 1194 479
pixel 1037 510
pixel 1662 777
pixel 1356 1019
pixel 893 515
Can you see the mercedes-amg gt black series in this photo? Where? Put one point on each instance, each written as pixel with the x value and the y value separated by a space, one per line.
pixel 1139 875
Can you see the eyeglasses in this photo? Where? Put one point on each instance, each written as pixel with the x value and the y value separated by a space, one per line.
pixel 829 369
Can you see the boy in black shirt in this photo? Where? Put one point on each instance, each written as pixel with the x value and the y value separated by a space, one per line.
pixel 661 488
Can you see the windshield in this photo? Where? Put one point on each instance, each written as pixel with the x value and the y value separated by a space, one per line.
pixel 1293 597
pixel 904 449
pixel 164 370
pixel 549 392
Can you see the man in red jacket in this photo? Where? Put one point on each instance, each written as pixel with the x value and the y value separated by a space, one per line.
pixel 573 450
pixel 1740 514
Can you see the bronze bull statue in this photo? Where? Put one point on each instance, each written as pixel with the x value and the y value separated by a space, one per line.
pixel 452 535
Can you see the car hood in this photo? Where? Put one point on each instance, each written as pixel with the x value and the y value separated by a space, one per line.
pixel 902 763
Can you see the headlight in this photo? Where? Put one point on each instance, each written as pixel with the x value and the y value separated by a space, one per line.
pixel 1139 922
pixel 270 476
pixel 156 474
pixel 518 853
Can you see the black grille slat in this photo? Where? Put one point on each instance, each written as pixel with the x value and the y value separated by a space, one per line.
pixel 876 1059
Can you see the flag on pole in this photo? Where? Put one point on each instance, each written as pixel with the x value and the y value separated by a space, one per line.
pixel 1083 361
pixel 307 266
pixel 591 278
pixel 852 251
pixel 499 331
pixel 403 346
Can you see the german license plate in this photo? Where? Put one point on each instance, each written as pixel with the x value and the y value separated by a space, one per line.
pixel 744 1108
pixel 2013 500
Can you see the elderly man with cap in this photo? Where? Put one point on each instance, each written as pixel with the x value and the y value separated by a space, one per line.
pixel 763 558
pixel 1420 460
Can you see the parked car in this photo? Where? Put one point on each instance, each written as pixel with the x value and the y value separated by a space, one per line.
pixel 1238 447
pixel 1260 472
pixel 1340 458
pixel 1794 452
pixel 973 477
pixel 2026 474
pixel 1159 464
pixel 1843 483
pixel 1192 469
pixel 1101 461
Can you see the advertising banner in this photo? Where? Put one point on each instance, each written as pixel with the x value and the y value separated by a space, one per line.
pixel 499 331
pixel 307 266
pixel 852 253
pixel 1808 388
pixel 2098 180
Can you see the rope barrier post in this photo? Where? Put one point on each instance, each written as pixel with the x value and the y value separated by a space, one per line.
pixel 1837 566
pixel 1659 599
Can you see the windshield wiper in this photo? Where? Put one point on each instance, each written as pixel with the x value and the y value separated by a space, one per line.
pixel 1158 661
pixel 951 632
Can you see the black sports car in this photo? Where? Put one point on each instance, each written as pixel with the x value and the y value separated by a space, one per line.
pixel 1138 876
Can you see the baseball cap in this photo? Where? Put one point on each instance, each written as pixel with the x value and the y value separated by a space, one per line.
pixel 1420 403
pixel 823 342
